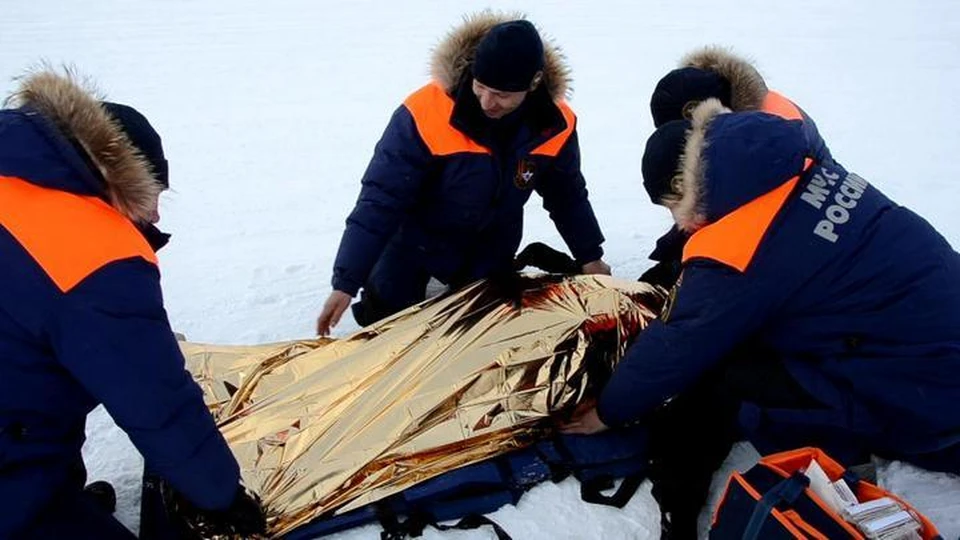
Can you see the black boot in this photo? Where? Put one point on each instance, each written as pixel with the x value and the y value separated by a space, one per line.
pixel 103 495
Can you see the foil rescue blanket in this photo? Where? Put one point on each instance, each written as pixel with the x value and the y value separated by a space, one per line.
pixel 325 426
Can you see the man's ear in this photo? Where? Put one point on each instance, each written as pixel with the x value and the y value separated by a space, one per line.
pixel 537 79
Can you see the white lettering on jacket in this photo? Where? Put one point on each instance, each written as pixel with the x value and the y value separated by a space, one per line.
pixel 817 193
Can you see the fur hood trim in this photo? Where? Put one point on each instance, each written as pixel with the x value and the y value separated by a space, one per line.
pixel 74 107
pixel 747 87
pixel 688 211
pixel 453 56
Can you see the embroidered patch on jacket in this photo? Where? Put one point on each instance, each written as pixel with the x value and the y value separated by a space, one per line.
pixel 526 170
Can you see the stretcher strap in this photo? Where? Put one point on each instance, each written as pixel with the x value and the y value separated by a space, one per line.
pixel 592 491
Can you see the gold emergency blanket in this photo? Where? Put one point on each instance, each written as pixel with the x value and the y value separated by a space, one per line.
pixel 324 425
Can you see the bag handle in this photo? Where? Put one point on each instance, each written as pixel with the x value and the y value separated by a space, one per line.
pixel 787 491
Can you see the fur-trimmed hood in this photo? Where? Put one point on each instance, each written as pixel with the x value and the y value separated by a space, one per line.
pixel 453 56
pixel 731 159
pixel 688 211
pixel 747 87
pixel 76 112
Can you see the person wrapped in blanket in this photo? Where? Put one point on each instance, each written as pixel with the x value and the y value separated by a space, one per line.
pixel 811 311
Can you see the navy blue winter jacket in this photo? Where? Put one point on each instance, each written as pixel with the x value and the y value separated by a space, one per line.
pixel 858 295
pixel 81 314
pixel 444 187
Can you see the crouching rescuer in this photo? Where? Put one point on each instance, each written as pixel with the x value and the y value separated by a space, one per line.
pixel 444 195
pixel 811 311
pixel 82 320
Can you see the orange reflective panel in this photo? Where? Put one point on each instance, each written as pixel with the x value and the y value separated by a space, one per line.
pixel 552 147
pixel 733 240
pixel 776 103
pixel 431 109
pixel 70 236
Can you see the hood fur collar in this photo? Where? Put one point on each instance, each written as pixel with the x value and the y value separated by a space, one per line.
pixel 453 56
pixel 688 210
pixel 75 110
pixel 747 87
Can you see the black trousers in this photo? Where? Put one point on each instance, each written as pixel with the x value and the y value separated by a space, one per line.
pixel 692 434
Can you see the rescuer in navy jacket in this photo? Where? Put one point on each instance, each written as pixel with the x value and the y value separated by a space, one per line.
pixel 811 310
pixel 82 319
pixel 443 196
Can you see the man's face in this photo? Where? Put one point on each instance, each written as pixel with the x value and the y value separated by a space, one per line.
pixel 496 103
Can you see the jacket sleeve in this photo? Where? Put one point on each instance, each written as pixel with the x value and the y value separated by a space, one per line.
pixel 668 255
pixel 111 333
pixel 816 145
pixel 565 198
pixel 714 309
pixel 389 189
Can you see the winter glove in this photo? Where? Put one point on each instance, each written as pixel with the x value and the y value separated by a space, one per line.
pixel 244 516
pixel 664 274
pixel 546 258
pixel 508 286
pixel 670 246
pixel 669 256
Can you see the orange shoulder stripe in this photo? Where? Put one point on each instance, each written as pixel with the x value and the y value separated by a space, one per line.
pixel 431 109
pixel 552 147
pixel 733 239
pixel 776 103
pixel 70 236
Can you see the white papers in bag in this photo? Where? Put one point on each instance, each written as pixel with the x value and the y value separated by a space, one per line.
pixel 836 495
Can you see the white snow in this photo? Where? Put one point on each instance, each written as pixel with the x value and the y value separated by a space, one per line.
pixel 270 110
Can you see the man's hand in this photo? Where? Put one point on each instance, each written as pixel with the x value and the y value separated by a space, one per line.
pixel 245 517
pixel 333 309
pixel 584 421
pixel 597 267
pixel 544 257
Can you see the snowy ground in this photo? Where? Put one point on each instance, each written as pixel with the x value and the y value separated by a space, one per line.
pixel 270 110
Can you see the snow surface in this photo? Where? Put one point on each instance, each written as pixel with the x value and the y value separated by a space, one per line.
pixel 270 111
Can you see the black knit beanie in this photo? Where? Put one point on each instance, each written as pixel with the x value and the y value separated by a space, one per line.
pixel 684 88
pixel 136 127
pixel 509 56
pixel 661 158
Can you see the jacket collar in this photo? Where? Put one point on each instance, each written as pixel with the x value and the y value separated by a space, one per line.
pixel 540 115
